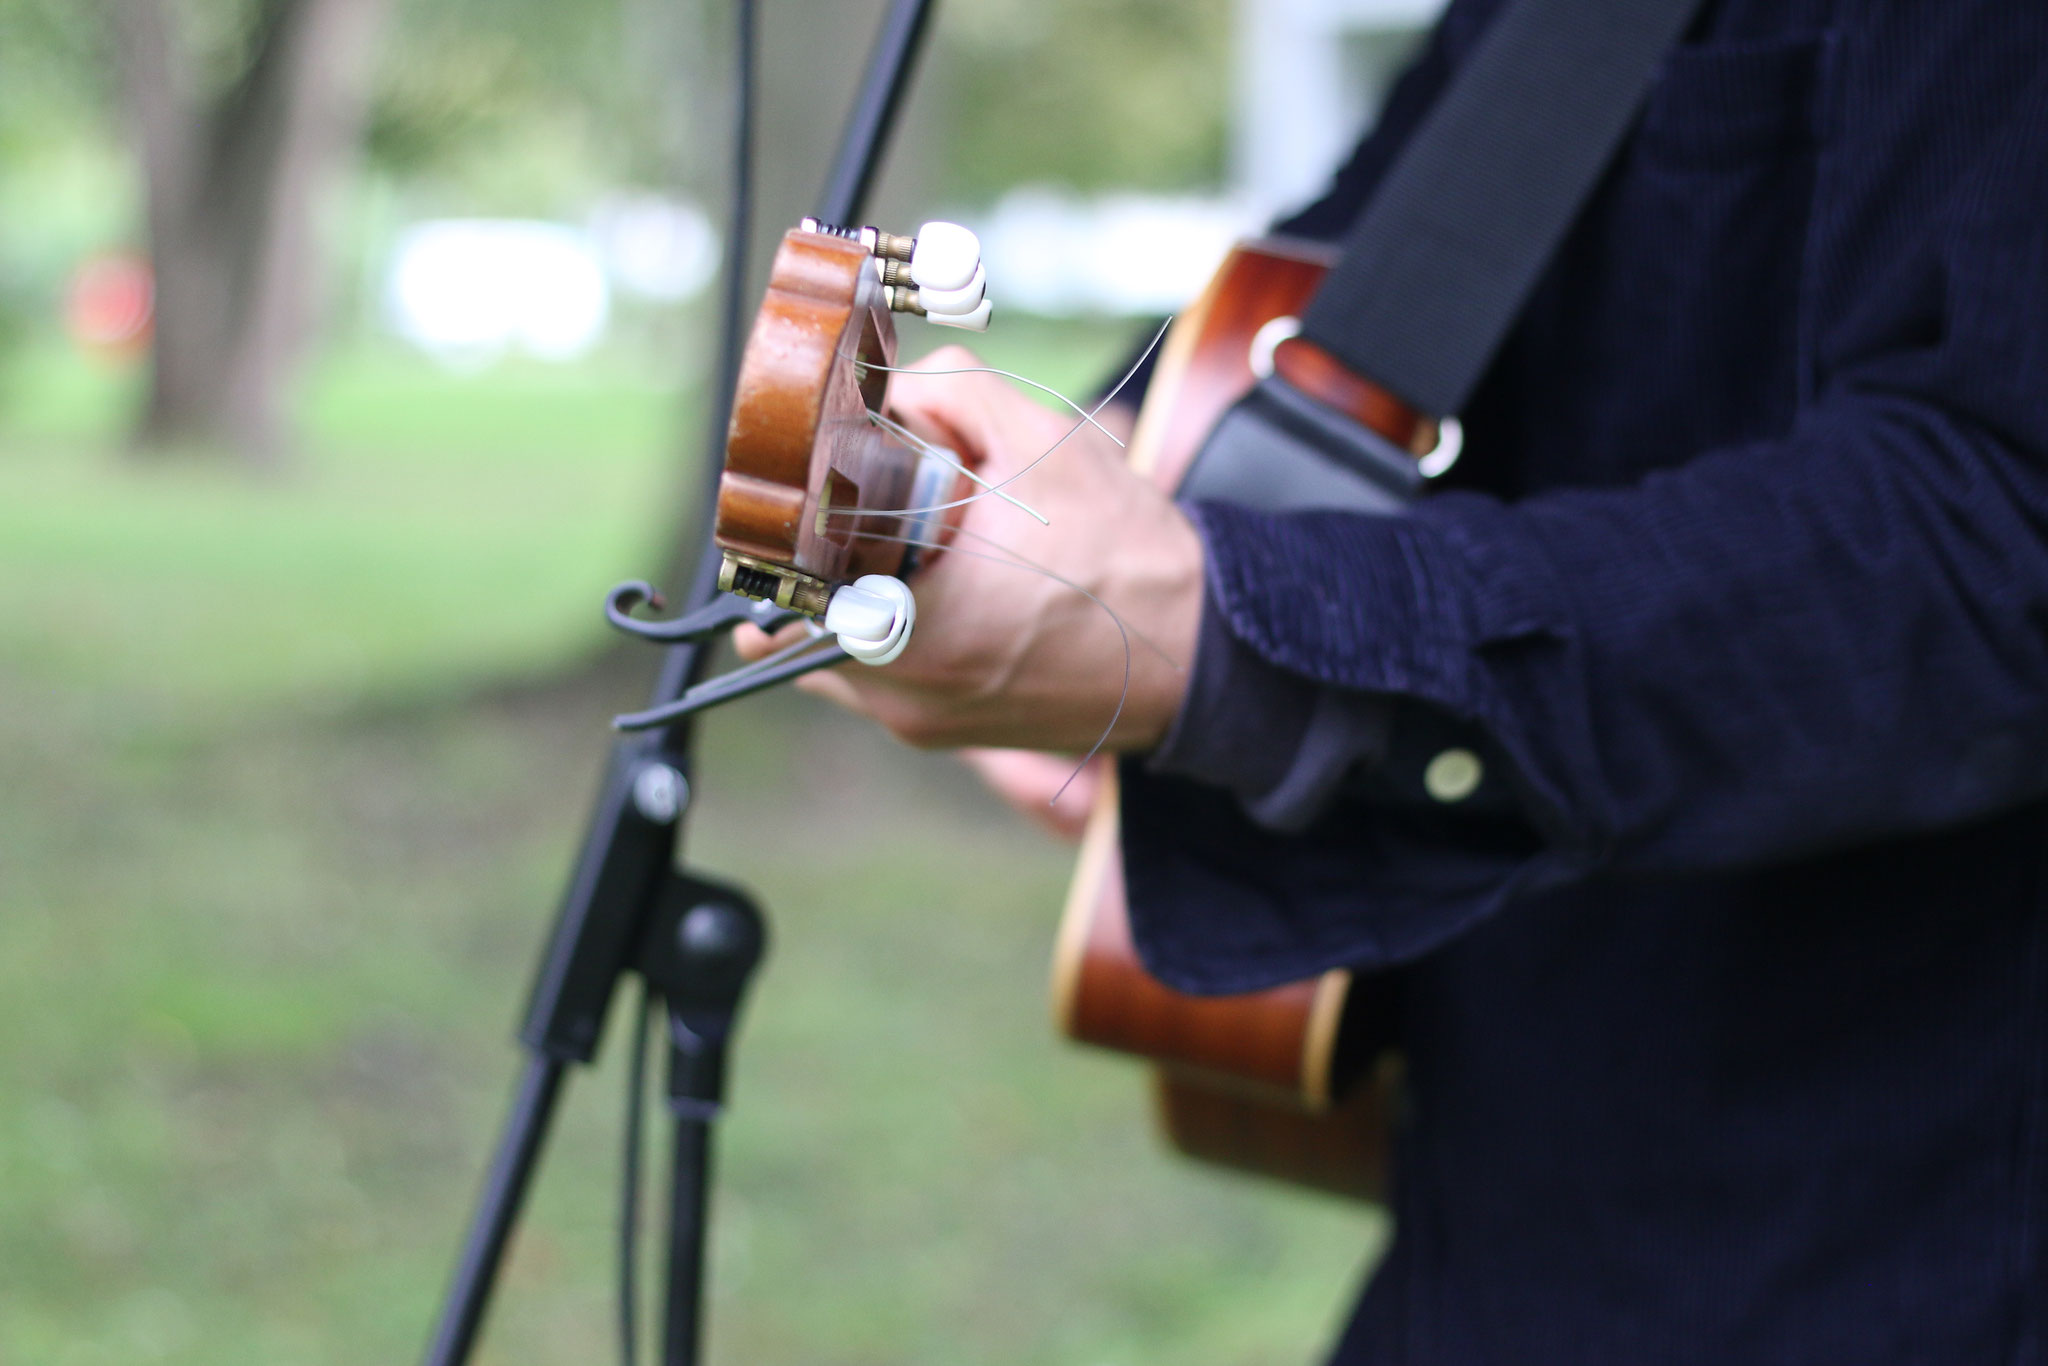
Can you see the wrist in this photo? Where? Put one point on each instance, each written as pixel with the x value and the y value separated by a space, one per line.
pixel 1164 645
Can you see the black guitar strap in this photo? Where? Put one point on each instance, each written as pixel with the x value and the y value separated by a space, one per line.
pixel 1439 264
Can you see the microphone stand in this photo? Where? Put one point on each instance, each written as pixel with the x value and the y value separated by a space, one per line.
pixel 631 906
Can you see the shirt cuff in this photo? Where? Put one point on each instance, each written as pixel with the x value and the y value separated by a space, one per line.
pixel 1280 743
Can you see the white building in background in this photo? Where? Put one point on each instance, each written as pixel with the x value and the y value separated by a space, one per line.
pixel 470 290
pixel 1310 74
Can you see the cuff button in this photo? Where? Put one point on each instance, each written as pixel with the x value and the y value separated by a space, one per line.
pixel 1453 775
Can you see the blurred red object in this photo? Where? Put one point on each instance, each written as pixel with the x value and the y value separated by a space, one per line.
pixel 110 304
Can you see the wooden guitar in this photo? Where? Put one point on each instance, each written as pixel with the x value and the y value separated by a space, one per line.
pixel 824 502
pixel 1295 1082
pixel 1292 1082
pixel 806 465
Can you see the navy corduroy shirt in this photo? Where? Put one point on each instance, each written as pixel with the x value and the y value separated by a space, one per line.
pixel 1733 1048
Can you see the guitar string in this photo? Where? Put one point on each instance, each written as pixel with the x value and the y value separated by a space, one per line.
pixel 1026 561
pixel 1123 631
pixel 1087 417
pixel 952 461
pixel 1010 557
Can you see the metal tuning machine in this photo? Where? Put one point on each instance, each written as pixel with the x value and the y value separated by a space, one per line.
pixel 936 275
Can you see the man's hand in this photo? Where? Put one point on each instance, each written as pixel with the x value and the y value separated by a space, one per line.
pixel 1049 789
pixel 1004 655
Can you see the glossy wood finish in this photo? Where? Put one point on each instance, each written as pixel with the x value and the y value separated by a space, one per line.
pixel 1255 1081
pixel 1205 364
pixel 800 442
pixel 1276 1047
pixel 1322 376
pixel 1346 1150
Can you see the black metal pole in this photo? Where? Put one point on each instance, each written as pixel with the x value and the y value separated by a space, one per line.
pixel 628 853
pixel 739 241
pixel 688 1222
pixel 875 107
pixel 526 1129
pixel 699 954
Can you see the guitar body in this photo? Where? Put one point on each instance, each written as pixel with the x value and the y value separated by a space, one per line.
pixel 1291 1082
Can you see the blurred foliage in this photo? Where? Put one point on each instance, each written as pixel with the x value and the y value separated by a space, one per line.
pixel 585 95
pixel 56 137
pixel 51 66
pixel 536 108
pixel 1088 93
pixel 515 102
pixel 1126 95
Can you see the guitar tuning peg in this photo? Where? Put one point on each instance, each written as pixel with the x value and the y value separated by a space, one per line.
pixel 976 320
pixel 872 617
pixel 946 257
pixel 953 301
pixel 903 299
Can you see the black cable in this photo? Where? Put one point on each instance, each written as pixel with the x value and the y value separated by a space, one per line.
pixel 865 138
pixel 685 661
pixel 629 1185
pixel 685 664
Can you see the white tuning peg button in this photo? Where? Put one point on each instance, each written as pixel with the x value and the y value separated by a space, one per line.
pixel 955 301
pixel 975 321
pixel 872 617
pixel 946 257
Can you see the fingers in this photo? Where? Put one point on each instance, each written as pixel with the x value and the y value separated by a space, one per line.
pixel 913 721
pixel 951 356
pixel 750 642
pixel 1029 782
pixel 993 426
pixel 978 415
pixel 836 685
pixel 946 408
pixel 830 685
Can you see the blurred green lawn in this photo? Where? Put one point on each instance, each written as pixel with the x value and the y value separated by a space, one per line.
pixel 290 773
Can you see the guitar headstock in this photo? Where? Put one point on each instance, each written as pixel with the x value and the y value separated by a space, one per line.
pixel 816 491
pixel 825 502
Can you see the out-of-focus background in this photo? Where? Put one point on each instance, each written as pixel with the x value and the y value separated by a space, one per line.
pixel 349 349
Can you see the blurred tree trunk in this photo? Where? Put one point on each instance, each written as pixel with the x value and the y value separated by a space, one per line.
pixel 234 183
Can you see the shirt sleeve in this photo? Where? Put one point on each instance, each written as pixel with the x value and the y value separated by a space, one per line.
pixel 1283 746
pixel 1278 742
pixel 1772 650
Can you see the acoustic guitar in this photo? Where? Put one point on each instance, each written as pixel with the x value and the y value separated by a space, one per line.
pixel 1296 1082
pixel 1293 1082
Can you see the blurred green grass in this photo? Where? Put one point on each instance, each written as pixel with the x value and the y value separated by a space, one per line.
pixel 432 528
pixel 293 769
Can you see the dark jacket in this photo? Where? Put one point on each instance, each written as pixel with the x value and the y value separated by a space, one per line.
pixel 1732 1047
